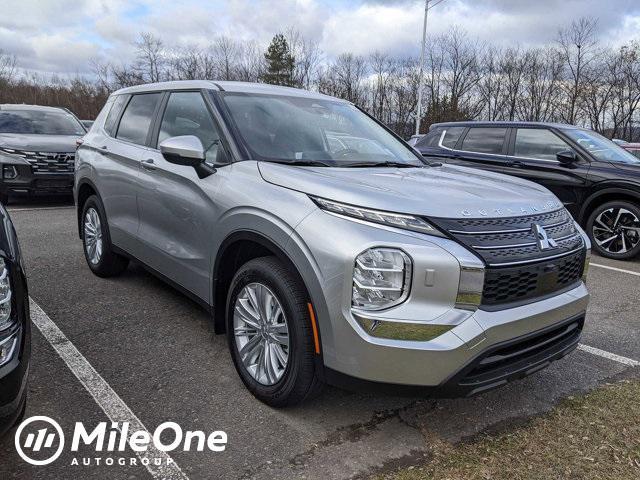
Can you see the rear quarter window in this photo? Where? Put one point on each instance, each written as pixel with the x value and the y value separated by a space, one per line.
pixel 111 123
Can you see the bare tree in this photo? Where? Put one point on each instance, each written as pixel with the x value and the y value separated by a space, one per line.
pixel 7 67
pixel 577 44
pixel 150 57
pixel 307 56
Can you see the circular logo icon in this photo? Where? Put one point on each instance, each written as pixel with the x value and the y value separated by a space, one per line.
pixel 41 444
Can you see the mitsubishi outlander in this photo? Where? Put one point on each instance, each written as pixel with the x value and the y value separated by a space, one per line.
pixel 326 248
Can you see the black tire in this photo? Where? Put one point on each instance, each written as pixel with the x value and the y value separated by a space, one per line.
pixel 109 263
pixel 299 381
pixel 4 199
pixel 608 249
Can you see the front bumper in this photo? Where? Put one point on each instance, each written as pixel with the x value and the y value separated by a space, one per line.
pixel 13 382
pixel 447 363
pixel 486 350
pixel 27 182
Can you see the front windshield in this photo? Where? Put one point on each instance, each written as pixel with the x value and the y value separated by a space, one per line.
pixel 301 130
pixel 39 122
pixel 600 147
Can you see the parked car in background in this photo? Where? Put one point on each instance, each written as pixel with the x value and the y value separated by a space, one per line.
pixel 632 148
pixel 326 248
pixel 37 150
pixel 597 180
pixel 87 124
pixel 15 327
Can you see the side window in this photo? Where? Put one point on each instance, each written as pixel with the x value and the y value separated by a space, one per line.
pixel 484 140
pixel 187 114
pixel 111 122
pixel 136 119
pixel 538 143
pixel 431 139
pixel 451 136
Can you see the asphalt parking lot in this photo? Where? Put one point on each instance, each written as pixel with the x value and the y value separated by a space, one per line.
pixel 155 349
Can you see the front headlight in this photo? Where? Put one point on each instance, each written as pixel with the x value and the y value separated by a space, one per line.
pixel 381 278
pixel 390 219
pixel 5 297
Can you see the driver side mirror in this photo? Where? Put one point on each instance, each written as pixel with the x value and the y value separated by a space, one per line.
pixel 186 150
pixel 567 157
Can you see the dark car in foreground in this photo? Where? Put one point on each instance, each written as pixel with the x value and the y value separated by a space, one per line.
pixel 15 327
pixel 37 150
pixel 597 180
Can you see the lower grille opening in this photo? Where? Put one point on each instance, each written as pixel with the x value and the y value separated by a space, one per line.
pixel 519 357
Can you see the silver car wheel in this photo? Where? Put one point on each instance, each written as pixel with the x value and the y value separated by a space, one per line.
pixel 616 230
pixel 92 235
pixel 261 333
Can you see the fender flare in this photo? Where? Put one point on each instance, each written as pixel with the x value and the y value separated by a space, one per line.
pixel 82 182
pixel 614 189
pixel 286 254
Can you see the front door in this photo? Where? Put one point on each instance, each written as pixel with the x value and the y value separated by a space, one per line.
pixel 533 153
pixel 177 213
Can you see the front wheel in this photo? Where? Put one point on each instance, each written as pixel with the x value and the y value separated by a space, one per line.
pixel 614 230
pixel 270 334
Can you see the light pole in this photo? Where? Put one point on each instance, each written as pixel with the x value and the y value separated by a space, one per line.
pixel 421 78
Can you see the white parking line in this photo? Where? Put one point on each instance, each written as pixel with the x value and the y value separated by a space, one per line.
pixel 103 394
pixel 630 272
pixel 611 356
pixel 30 209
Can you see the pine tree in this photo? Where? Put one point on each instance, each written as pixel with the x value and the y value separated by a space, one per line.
pixel 280 62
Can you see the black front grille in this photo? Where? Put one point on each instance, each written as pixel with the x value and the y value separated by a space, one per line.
pixel 511 240
pixel 518 269
pixel 524 282
pixel 46 162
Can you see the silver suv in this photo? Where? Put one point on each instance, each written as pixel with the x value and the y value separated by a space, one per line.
pixel 326 248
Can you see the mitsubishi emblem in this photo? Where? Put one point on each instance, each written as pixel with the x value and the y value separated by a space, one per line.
pixel 542 238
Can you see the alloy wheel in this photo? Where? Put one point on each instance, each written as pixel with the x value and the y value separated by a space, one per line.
pixel 616 230
pixel 93 235
pixel 261 333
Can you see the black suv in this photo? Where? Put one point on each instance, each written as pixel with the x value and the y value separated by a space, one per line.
pixel 598 181
pixel 37 150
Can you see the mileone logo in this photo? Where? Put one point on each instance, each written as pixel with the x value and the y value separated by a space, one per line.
pixel 40 441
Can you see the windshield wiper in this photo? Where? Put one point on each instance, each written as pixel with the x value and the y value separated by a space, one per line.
pixel 302 163
pixel 382 164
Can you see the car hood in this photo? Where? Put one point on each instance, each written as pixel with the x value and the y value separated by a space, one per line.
pixel 39 143
pixel 445 191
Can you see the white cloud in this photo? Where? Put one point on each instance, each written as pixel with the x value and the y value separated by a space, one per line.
pixel 62 35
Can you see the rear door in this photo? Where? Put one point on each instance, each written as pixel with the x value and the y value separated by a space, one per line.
pixel 533 153
pixel 483 148
pixel 127 128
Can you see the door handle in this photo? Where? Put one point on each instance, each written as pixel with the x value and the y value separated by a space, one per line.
pixel 148 164
pixel 517 164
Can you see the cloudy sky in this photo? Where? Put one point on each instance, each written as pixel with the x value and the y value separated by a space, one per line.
pixel 61 36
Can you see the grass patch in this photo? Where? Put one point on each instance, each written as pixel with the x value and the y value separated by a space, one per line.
pixel 595 436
